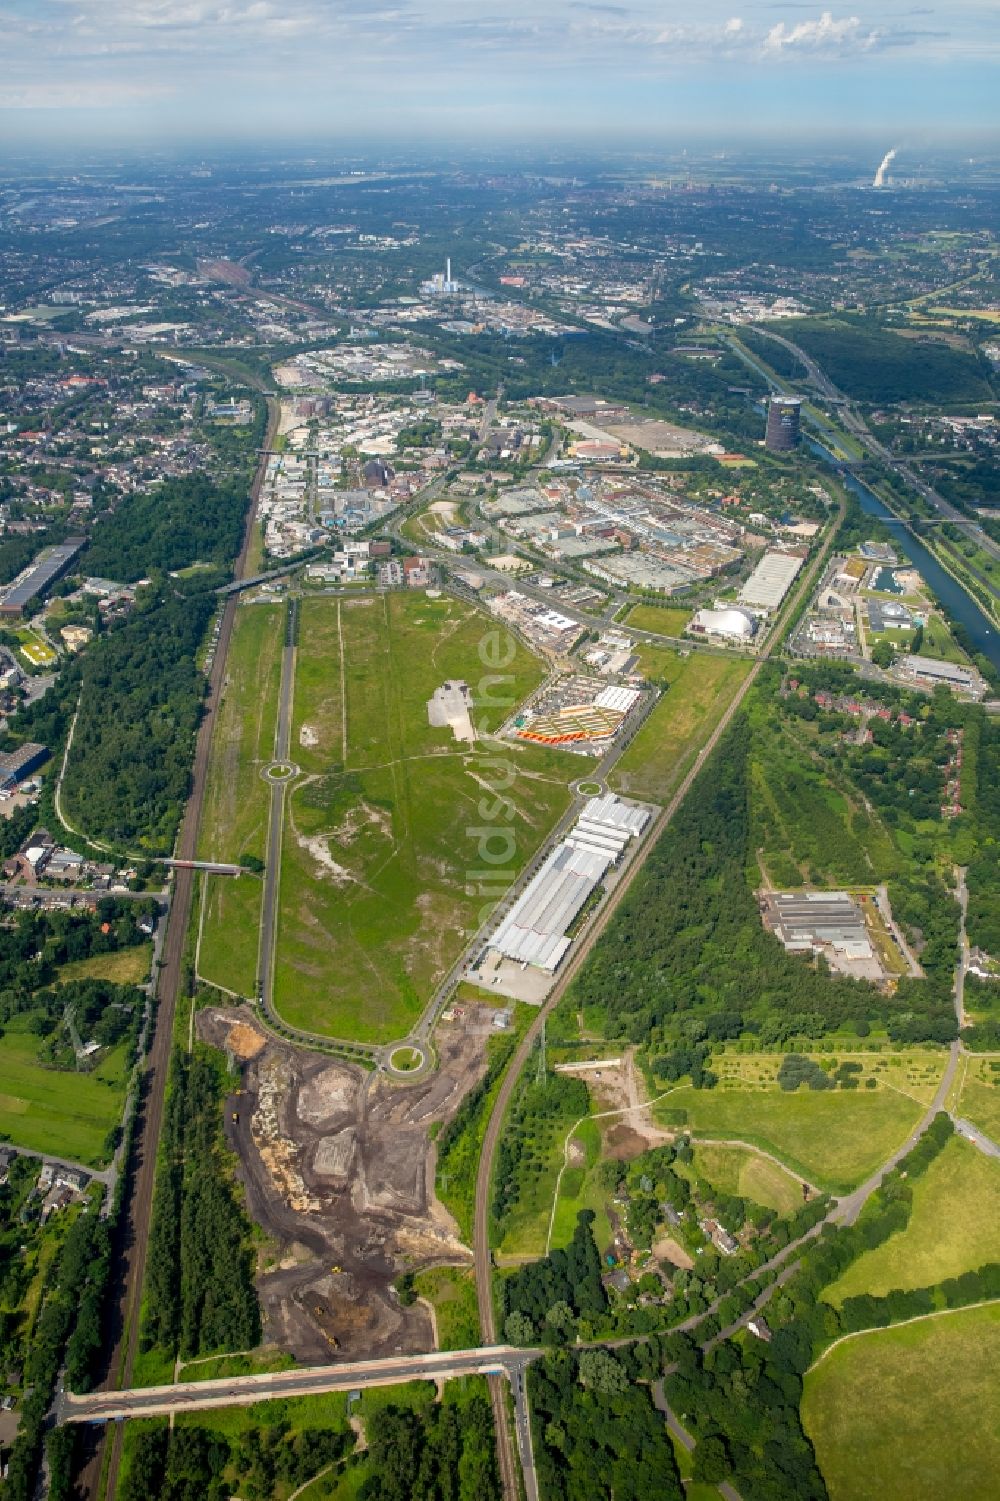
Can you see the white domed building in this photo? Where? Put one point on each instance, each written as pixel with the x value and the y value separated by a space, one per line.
pixel 729 622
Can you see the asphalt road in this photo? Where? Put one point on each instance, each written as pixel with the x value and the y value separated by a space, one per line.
pixel 857 426
pixel 135 1231
pixel 233 1391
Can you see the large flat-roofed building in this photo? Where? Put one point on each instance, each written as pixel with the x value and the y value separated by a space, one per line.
pixel 771 580
pixel 50 563
pixel 534 930
pixel 931 671
pixel 17 764
pixel 831 923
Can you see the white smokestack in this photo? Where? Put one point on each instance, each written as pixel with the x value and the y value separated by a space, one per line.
pixel 447 274
pixel 883 168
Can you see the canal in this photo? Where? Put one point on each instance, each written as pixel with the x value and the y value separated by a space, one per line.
pixel 954 600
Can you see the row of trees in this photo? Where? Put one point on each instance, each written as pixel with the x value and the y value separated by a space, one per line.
pixel 200 1294
pixel 540 1107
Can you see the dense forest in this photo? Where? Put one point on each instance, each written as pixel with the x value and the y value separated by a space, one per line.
pixel 686 957
pixel 874 364
pixel 597 1435
pixel 195 519
pixel 139 691
pixel 200 1294
pixel 68 1329
pixel 439 1452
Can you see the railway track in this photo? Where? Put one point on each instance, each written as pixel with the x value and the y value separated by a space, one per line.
pixel 135 1236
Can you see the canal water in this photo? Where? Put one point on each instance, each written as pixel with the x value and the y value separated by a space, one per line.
pixel 958 605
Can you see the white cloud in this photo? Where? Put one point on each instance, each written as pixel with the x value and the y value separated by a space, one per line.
pixel 824 35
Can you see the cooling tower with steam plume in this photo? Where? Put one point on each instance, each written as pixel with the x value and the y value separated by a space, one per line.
pixel 883 168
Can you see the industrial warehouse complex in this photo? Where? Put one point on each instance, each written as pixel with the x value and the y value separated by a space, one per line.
pixel 535 931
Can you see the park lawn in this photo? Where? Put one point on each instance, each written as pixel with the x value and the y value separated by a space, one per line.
pixel 834 1138
pixel 910 1412
pixel 580 1188
pixel 914 1071
pixel 952 1228
pixel 234 815
pixel 382 863
pixel 452 1291
pixel 667 620
pixel 230 933
pixel 666 746
pixel 979 1101
pixel 121 966
pixel 734 1170
pixel 63 1114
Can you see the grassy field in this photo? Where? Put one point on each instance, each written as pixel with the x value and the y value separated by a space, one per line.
pixel 912 1071
pixel 910 1413
pixel 833 1138
pixel 667 620
pixel 123 967
pixel 952 1229
pixel 734 1170
pixel 234 816
pixel 230 933
pixel 452 1291
pixel 46 1110
pixel 579 1188
pixel 382 854
pixel 669 741
pixel 979 1097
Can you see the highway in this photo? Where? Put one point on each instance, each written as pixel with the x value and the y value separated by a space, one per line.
pixel 134 1236
pixel 858 428
pixel 235 1391
pixel 481 1228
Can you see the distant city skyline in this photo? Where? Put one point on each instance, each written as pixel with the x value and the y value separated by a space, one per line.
pixel 568 69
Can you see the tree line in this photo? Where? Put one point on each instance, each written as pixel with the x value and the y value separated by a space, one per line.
pixel 200 1294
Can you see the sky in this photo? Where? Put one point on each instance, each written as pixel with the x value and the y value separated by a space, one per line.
pixel 477 71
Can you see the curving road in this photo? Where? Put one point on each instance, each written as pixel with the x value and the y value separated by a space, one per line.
pixel 576 961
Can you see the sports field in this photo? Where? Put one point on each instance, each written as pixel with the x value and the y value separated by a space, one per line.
pixel 47 1110
pixel 952 1228
pixel 390 832
pixel 701 687
pixel 234 814
pixel 909 1413
pixel 834 1138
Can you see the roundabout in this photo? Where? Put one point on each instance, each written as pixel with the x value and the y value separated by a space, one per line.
pixel 280 771
pixel 405 1059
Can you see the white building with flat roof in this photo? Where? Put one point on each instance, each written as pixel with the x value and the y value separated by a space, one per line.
pixel 771 580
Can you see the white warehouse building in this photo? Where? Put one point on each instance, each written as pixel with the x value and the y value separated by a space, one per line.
pixel 534 930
